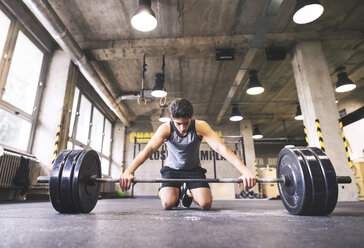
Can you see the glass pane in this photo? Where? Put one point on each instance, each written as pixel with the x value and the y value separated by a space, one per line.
pixel 22 83
pixel 4 28
pixel 83 124
pixel 107 138
pixel 74 108
pixel 105 164
pixel 96 130
pixel 69 145
pixel 14 131
pixel 115 171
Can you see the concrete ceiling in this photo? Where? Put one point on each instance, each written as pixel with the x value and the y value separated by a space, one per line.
pixel 190 31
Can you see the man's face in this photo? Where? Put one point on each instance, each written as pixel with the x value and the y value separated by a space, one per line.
pixel 182 125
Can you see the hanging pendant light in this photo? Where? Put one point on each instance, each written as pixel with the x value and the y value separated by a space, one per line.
pixel 307 11
pixel 344 84
pixel 254 86
pixel 158 89
pixel 235 114
pixel 299 115
pixel 144 18
pixel 256 133
pixel 164 117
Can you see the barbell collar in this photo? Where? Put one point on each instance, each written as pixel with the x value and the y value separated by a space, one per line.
pixel 43 179
pixel 343 179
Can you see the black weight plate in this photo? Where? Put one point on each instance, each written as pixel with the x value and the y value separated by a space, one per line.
pixel 318 183
pixel 294 195
pixel 66 181
pixel 85 194
pixel 55 181
pixel 329 174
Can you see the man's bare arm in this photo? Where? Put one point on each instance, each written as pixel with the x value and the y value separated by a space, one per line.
pixel 204 129
pixel 155 142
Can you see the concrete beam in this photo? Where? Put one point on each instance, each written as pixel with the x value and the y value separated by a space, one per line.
pixel 197 46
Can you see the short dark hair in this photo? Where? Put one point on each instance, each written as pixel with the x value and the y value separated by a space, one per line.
pixel 181 108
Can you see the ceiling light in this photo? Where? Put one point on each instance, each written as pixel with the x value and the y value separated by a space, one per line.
pixel 159 90
pixel 307 11
pixel 235 114
pixel 299 115
pixel 164 117
pixel 254 87
pixel 344 84
pixel 144 18
pixel 256 133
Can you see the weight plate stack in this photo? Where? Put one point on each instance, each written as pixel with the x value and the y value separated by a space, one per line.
pixel 318 182
pixel 296 194
pixel 85 193
pixel 55 181
pixel 330 178
pixel 66 182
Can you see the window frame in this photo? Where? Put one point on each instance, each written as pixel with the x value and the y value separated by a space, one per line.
pixel 9 47
pixel 72 139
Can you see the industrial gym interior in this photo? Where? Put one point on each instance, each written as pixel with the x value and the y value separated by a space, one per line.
pixel 267 75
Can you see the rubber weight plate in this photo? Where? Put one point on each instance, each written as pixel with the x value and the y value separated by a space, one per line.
pixel 55 181
pixel 329 175
pixel 296 194
pixel 318 183
pixel 85 194
pixel 66 181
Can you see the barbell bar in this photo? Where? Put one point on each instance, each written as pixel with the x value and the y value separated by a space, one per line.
pixel 306 179
pixel 284 180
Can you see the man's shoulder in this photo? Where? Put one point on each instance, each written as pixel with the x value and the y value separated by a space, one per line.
pixel 201 126
pixel 200 122
pixel 164 129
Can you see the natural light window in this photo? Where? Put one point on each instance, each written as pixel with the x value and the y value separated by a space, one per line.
pixel 4 28
pixel 23 78
pixel 14 131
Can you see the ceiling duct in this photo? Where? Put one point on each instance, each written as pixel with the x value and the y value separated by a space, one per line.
pixel 49 19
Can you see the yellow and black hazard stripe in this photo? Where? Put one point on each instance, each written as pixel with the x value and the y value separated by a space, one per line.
pixel 321 139
pixel 346 145
pixel 306 138
pixel 56 144
pixel 256 169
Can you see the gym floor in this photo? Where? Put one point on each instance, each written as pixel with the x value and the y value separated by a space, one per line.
pixel 142 222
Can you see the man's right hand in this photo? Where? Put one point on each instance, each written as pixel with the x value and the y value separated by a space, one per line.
pixel 125 181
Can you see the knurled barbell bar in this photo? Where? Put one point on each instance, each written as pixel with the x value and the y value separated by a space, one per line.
pixel 306 180
pixel 94 179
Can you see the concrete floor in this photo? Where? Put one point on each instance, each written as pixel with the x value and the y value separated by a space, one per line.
pixel 143 223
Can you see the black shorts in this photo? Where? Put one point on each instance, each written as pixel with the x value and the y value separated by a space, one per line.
pixel 197 173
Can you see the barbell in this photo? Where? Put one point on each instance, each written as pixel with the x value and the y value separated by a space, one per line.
pixel 306 180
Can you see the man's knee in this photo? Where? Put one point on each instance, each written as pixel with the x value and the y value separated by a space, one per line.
pixel 205 205
pixel 169 197
pixel 168 205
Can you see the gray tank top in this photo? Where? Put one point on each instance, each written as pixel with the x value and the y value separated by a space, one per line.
pixel 183 151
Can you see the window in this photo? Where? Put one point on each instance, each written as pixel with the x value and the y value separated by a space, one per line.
pixel 90 129
pixel 14 131
pixel 4 29
pixel 23 77
pixel 22 70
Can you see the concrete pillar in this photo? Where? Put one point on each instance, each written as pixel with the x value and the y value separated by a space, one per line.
pixel 247 133
pixel 51 108
pixel 317 101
